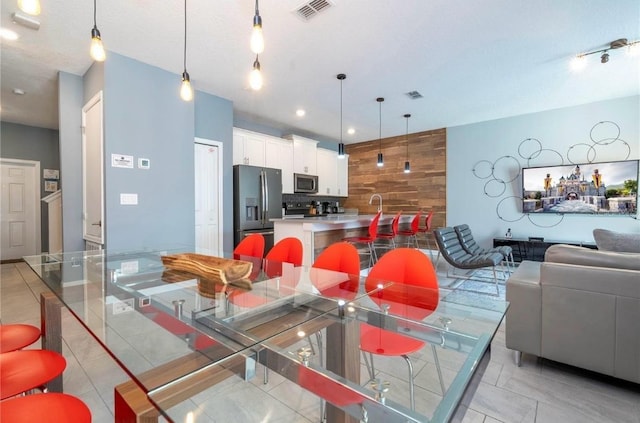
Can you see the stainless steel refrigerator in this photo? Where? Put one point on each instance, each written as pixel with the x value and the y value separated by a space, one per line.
pixel 257 197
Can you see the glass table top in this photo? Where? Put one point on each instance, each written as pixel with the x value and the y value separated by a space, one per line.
pixel 155 320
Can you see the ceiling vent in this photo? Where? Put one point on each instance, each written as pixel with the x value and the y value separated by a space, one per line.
pixel 311 9
pixel 414 95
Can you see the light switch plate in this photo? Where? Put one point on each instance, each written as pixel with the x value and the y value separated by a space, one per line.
pixel 144 163
pixel 128 199
pixel 123 306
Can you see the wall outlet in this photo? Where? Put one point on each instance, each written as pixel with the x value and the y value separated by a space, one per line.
pixel 123 306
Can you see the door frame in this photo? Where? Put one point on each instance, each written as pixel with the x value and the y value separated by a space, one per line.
pixel 220 147
pixel 88 105
pixel 36 192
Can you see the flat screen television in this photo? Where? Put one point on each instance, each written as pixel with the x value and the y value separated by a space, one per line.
pixel 607 188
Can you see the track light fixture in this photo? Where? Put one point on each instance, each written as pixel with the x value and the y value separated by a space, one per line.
pixel 407 166
pixel 341 77
pixel 580 61
pixel 257 39
pixel 97 49
pixel 186 90
pixel 380 158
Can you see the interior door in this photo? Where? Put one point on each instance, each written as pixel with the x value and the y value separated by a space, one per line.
pixel 93 171
pixel 208 195
pixel 20 209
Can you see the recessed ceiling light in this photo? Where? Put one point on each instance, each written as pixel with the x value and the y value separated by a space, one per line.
pixel 18 91
pixel 7 34
pixel 351 131
pixel 300 112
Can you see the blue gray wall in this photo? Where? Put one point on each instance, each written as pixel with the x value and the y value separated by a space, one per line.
pixel 555 129
pixel 37 144
pixel 214 121
pixel 145 117
pixel 70 121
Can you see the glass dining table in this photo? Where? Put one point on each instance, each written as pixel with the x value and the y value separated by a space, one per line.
pixel 186 339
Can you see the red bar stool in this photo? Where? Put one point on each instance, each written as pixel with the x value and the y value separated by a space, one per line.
pixel 391 236
pixel 427 229
pixel 45 408
pixel 21 371
pixel 17 336
pixel 368 240
pixel 412 232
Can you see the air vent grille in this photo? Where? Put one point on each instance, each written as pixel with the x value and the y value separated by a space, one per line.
pixel 414 95
pixel 311 8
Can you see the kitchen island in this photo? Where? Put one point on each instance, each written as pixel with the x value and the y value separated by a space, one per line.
pixel 317 233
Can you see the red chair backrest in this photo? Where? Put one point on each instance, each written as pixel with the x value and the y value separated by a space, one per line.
pixel 427 221
pixel 287 250
pixel 415 223
pixel 395 223
pixel 252 245
pixel 413 291
pixel 340 257
pixel 373 226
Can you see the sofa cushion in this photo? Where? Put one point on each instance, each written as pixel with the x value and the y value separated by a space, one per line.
pixel 616 241
pixel 569 254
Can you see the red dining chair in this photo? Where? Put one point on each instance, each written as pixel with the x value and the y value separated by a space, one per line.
pixel 251 248
pixel 412 233
pixel 17 336
pixel 390 237
pixel 368 239
pixel 45 408
pixel 413 294
pixel 426 230
pixel 28 369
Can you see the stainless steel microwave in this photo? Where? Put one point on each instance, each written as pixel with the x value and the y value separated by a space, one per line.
pixel 307 184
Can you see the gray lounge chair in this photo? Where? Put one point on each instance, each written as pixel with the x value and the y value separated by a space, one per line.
pixel 451 249
pixel 471 246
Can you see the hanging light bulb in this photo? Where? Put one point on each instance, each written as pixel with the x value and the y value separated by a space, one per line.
pixel 255 78
pixel 32 7
pixel 97 49
pixel 407 166
pixel 380 158
pixel 186 90
pixel 341 77
pixel 257 39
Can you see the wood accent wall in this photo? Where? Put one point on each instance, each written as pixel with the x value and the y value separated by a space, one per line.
pixel 422 189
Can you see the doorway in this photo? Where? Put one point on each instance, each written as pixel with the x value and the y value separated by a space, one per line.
pixel 92 171
pixel 20 208
pixel 208 196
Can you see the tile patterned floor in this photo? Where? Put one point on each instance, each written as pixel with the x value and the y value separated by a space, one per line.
pixel 540 391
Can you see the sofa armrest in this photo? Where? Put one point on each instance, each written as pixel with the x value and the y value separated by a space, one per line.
pixel 524 316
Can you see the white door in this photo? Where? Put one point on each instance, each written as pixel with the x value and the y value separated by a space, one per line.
pixel 92 171
pixel 20 209
pixel 208 195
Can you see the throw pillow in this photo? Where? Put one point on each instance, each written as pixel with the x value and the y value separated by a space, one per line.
pixel 616 241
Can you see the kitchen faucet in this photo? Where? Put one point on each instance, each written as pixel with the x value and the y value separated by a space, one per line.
pixel 379 198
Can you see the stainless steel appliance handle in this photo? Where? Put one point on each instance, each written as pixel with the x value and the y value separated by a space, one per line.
pixel 262 193
pixel 266 198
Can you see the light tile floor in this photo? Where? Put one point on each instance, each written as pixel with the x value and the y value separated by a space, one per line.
pixel 540 391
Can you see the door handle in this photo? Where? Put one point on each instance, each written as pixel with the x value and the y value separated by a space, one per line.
pixel 98 223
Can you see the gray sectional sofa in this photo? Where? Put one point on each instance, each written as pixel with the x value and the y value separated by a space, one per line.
pixel 580 307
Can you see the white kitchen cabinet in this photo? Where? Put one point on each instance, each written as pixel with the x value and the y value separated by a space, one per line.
pixel 342 176
pixel 279 155
pixel 304 155
pixel 248 147
pixel 327 172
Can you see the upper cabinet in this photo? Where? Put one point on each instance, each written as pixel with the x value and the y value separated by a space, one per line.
pixel 248 147
pixel 279 155
pixel 332 173
pixel 304 155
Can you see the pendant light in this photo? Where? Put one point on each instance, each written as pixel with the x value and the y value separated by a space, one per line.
pixel 380 158
pixel 255 78
pixel 341 77
pixel 407 166
pixel 257 39
pixel 97 49
pixel 186 90
pixel 31 7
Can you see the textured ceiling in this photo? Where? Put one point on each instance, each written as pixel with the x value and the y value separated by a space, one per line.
pixel 471 60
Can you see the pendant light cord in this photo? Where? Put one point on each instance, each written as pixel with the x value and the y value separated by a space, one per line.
pixel 408 136
pixel 257 11
pixel 380 128
pixel 94 14
pixel 341 110
pixel 185 36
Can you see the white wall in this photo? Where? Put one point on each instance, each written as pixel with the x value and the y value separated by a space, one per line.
pixel 556 130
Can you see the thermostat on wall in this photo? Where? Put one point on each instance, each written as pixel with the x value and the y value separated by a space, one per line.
pixel 143 163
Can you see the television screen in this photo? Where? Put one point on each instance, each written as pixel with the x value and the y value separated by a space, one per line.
pixel 609 188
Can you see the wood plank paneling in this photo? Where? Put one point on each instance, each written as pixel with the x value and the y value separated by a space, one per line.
pixel 422 189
